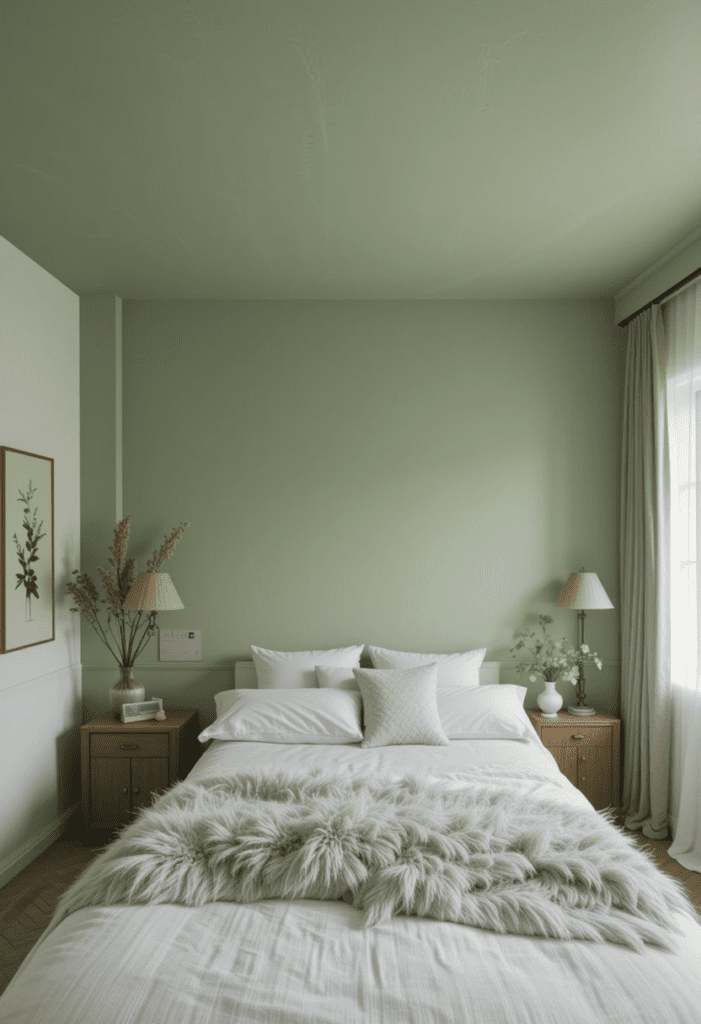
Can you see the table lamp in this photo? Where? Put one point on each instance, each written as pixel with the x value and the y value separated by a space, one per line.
pixel 153 592
pixel 583 590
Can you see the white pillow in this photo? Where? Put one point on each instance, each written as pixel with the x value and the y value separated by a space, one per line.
pixel 399 706
pixel 484 712
pixel 286 716
pixel 290 670
pixel 453 669
pixel 336 678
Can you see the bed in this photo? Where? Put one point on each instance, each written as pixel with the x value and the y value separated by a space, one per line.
pixel 318 961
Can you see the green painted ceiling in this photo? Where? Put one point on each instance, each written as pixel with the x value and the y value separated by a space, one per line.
pixel 349 148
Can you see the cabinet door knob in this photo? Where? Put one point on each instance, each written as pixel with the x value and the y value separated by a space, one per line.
pixel 128 746
pixel 579 737
pixel 135 791
pixel 125 791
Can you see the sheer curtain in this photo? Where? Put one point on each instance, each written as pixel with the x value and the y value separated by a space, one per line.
pixel 682 323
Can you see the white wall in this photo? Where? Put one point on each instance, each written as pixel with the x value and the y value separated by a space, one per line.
pixel 40 687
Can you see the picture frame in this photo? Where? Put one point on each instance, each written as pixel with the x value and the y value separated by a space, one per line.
pixel 27 600
pixel 142 710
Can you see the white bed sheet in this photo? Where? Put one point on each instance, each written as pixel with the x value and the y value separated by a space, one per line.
pixel 432 763
pixel 308 962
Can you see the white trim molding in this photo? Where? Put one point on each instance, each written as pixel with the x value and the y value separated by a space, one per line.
pixel 32 848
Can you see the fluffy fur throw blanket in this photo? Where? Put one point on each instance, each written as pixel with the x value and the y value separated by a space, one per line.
pixel 476 854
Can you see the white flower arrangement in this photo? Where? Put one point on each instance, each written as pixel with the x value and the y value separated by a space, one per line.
pixel 551 659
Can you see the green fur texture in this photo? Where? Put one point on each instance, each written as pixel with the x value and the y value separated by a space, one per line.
pixel 475 854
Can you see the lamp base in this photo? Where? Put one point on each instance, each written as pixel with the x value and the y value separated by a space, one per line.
pixel 581 710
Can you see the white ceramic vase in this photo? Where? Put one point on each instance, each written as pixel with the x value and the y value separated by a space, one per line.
pixel 549 701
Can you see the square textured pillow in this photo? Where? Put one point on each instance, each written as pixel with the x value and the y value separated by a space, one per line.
pixel 399 707
pixel 292 670
pixel 303 715
pixel 453 669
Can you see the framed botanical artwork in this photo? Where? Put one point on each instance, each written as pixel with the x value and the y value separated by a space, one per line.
pixel 27 549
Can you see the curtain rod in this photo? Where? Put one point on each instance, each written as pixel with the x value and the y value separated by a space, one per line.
pixel 664 296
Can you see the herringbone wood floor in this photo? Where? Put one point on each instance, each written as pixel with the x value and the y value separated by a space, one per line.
pixel 27 902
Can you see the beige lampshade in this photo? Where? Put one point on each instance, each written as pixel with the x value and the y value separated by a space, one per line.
pixel 153 592
pixel 583 590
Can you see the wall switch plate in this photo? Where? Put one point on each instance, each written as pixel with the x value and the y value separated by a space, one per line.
pixel 180 645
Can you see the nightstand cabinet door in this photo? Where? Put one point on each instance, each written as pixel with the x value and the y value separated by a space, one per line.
pixel 148 776
pixel 111 791
pixel 594 775
pixel 566 758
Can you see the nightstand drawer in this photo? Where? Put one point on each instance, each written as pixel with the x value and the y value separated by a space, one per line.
pixel 128 744
pixel 575 735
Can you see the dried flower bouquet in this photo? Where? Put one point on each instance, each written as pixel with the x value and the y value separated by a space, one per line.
pixel 125 633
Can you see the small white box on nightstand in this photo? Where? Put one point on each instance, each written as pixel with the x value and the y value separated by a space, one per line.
pixel 180 645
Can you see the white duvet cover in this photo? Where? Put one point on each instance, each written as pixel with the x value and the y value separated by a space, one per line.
pixel 308 962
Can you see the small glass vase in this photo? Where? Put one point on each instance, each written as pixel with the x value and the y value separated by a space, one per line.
pixel 125 691
pixel 549 701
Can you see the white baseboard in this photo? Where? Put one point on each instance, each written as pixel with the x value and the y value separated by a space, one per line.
pixel 29 851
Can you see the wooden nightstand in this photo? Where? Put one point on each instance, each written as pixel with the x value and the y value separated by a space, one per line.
pixel 587 750
pixel 123 765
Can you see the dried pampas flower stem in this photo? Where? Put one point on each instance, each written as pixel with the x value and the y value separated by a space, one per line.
pixel 125 633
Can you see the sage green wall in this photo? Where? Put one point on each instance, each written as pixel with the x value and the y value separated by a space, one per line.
pixel 100 422
pixel 421 476
pixel 673 267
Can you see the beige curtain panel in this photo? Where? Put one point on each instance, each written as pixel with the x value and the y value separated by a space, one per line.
pixel 644 554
